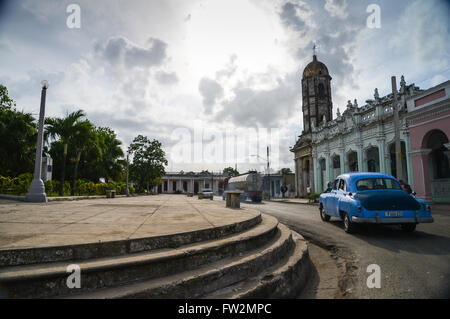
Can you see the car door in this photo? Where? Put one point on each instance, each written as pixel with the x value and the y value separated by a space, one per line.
pixel 331 199
pixel 341 191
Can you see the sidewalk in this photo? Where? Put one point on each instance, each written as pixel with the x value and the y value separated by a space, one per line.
pixel 25 225
pixel 442 208
pixel 292 200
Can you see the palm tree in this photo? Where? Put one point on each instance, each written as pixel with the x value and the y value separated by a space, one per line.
pixel 110 151
pixel 64 128
pixel 83 138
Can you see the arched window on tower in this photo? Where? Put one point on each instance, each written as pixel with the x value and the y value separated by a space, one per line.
pixel 321 90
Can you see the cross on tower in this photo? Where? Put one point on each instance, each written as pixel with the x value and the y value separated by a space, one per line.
pixel 314 49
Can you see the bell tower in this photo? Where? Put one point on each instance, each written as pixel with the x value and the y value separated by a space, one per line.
pixel 316 95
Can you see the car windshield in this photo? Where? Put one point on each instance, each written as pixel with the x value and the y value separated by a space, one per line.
pixel 377 183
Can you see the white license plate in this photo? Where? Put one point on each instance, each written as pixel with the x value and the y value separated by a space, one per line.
pixel 393 214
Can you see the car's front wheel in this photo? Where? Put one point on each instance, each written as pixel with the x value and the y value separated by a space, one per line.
pixel 323 216
pixel 349 227
pixel 409 228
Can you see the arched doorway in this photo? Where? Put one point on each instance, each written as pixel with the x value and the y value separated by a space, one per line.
pixel 352 158
pixel 336 165
pixel 439 165
pixel 373 159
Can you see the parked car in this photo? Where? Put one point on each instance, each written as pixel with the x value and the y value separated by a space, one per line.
pixel 206 193
pixel 372 198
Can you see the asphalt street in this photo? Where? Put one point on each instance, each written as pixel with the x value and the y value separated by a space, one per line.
pixel 413 265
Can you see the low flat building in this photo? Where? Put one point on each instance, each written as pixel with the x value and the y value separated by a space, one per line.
pixel 190 182
pixel 277 181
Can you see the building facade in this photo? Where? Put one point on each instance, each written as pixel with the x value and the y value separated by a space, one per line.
pixel 190 183
pixel 429 131
pixel 276 183
pixel 363 139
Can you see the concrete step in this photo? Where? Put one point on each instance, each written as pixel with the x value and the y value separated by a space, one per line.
pixel 26 256
pixel 49 279
pixel 207 278
pixel 285 279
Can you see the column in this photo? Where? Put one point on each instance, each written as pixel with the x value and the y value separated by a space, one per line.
pixel 422 173
pixel 315 169
pixel 297 177
pixel 311 172
pixel 327 168
pixel 301 187
pixel 409 172
pixel 360 157
pixel 381 155
pixel 342 160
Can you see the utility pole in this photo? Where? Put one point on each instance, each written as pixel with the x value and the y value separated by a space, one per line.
pixel 398 150
pixel 268 169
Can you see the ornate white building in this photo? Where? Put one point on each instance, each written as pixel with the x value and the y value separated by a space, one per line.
pixel 359 139
pixel 362 139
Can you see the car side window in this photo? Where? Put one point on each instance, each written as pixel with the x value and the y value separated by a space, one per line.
pixel 342 185
pixel 335 184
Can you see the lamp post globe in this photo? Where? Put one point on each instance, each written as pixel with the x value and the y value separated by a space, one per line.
pixel 36 192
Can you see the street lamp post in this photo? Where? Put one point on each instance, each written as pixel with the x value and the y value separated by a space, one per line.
pixel 36 192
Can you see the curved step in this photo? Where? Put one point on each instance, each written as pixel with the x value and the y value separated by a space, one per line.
pixel 286 279
pixel 205 279
pixel 26 256
pixel 49 279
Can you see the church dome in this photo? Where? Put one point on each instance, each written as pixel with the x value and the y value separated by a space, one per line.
pixel 315 68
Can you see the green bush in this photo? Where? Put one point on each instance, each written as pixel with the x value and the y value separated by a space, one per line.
pixel 15 186
pixel 314 197
pixel 82 187
pixel 5 184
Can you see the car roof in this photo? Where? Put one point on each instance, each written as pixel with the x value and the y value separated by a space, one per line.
pixel 358 175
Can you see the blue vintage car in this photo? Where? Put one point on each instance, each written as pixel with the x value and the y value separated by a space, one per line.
pixel 372 198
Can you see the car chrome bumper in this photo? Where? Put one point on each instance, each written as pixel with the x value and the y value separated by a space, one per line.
pixel 395 220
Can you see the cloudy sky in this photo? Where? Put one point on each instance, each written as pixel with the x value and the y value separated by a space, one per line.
pixel 165 68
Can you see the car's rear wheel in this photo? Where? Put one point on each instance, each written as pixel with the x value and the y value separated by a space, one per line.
pixel 323 216
pixel 409 228
pixel 349 227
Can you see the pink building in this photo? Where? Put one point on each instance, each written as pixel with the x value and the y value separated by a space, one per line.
pixel 429 129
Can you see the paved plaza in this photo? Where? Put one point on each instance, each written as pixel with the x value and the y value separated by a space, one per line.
pixel 26 225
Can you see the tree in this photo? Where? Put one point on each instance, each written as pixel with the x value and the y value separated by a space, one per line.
pixel 285 171
pixel 148 163
pixel 18 135
pixel 230 171
pixel 83 137
pixel 66 129
pixel 102 159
